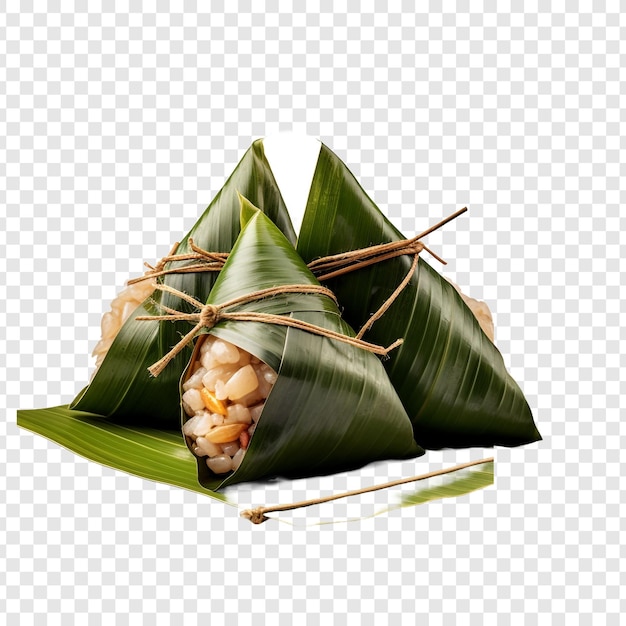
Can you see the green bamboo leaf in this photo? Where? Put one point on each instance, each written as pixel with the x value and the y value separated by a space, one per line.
pixel 332 407
pixel 159 455
pixel 450 377
pixel 122 388
pixel 453 485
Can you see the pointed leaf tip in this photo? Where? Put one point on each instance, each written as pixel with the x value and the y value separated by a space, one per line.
pixel 450 377
pixel 248 210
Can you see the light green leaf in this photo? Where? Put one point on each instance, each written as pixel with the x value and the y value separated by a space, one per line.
pixel 159 455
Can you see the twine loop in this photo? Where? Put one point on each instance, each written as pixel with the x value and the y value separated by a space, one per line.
pixel 415 248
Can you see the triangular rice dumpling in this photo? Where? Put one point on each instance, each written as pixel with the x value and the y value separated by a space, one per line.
pixel 122 388
pixel 328 407
pixel 450 377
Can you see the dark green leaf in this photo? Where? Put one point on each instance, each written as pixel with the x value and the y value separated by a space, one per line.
pixel 122 388
pixel 450 377
pixel 332 407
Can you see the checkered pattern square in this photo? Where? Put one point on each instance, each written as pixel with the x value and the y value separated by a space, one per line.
pixel 118 124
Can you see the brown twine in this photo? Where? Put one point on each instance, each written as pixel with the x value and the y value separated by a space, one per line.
pixel 257 515
pixel 390 300
pixel 335 265
pixel 324 268
pixel 208 315
pixel 208 262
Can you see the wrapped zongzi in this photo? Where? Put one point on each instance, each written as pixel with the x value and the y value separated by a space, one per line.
pixel 281 375
pixel 451 378
pixel 122 388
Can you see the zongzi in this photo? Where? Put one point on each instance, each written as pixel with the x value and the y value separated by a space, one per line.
pixel 451 378
pixel 121 387
pixel 282 376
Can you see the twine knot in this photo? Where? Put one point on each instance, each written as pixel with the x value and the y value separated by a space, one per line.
pixel 414 247
pixel 328 267
pixel 209 316
pixel 256 516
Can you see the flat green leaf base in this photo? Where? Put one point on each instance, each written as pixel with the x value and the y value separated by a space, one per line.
pixel 159 455
pixel 162 456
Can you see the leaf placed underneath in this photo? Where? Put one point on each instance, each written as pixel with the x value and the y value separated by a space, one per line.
pixel 162 456
pixel 159 455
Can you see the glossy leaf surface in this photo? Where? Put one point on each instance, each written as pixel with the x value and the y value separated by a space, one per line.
pixel 122 387
pixel 159 455
pixel 450 377
pixel 332 407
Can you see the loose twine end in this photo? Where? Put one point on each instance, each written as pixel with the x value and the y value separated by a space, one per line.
pixel 206 262
pixel 329 267
pixel 335 265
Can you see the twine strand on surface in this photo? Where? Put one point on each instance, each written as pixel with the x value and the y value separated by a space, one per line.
pixel 257 515
pixel 390 300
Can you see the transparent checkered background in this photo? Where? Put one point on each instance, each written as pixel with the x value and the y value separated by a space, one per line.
pixel 117 127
